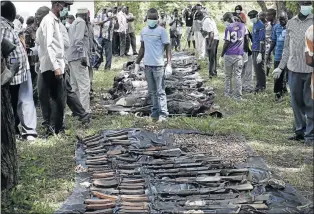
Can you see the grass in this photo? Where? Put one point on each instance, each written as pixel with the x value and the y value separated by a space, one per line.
pixel 46 168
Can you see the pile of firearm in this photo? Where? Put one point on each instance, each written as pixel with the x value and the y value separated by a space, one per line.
pixel 186 92
pixel 141 175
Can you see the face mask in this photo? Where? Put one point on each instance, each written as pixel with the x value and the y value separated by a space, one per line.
pixel 306 10
pixel 254 20
pixel 67 25
pixel 238 11
pixel 227 23
pixel 64 12
pixel 109 14
pixel 152 23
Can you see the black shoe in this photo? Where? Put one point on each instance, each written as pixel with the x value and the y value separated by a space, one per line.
pixel 135 53
pixel 296 137
pixel 49 132
pixel 85 119
pixel 278 98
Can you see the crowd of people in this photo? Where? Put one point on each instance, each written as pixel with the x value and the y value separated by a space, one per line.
pixel 57 53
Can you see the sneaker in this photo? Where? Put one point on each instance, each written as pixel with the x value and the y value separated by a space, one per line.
pixel 153 119
pixel 85 119
pixel 30 138
pixel 162 119
pixel 278 98
pixel 135 53
pixel 296 137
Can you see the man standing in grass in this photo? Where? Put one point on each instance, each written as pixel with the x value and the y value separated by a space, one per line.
pixel 236 44
pixel 278 39
pixel 258 48
pixel 299 73
pixel 154 41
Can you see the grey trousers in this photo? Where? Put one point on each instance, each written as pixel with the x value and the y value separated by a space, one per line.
pixel 259 72
pixel 80 83
pixel 247 75
pixel 302 104
pixel 233 68
pixel 107 45
pixel 24 107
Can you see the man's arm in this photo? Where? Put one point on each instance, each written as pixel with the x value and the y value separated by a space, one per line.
pixel 65 36
pixel 273 41
pixel 225 48
pixel 79 37
pixel 309 59
pixel 140 53
pixel 168 53
pixel 227 42
pixel 262 40
pixel 48 31
pixel 130 17
pixel 286 50
pixel 246 43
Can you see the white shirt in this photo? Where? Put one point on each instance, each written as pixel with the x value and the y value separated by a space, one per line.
pixel 209 25
pixel 123 24
pixel 51 45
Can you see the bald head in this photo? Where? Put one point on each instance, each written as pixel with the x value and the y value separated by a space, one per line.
pixel 262 16
pixel 283 18
pixel 41 13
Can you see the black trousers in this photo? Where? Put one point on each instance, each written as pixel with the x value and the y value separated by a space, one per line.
pixel 259 72
pixel 116 43
pixel 122 39
pixel 131 41
pixel 51 88
pixel 14 91
pixel 212 58
pixel 280 83
pixel 107 47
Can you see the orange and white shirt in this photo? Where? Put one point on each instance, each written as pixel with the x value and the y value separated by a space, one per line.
pixel 309 47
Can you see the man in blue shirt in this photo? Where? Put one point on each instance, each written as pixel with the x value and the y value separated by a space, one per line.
pixel 154 41
pixel 258 48
pixel 278 39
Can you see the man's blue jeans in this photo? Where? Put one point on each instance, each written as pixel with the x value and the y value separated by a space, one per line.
pixel 155 77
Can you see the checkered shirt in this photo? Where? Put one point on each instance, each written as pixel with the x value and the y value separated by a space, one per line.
pixel 7 32
pixel 293 52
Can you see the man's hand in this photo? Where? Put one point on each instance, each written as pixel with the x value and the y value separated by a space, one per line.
pixel 137 68
pixel 220 61
pixel 268 56
pixel 245 57
pixel 84 61
pixel 58 74
pixel 259 58
pixel 276 73
pixel 168 70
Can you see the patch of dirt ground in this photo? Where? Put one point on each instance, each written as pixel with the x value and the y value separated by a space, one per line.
pixel 230 148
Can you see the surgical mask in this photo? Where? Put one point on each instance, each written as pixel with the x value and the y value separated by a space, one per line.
pixel 64 12
pixel 254 20
pixel 152 23
pixel 109 14
pixel 306 9
pixel 67 25
pixel 238 11
pixel 227 23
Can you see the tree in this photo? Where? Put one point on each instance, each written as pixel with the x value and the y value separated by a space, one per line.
pixel 263 6
pixel 8 146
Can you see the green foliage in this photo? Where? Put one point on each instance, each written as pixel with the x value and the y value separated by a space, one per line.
pixel 293 6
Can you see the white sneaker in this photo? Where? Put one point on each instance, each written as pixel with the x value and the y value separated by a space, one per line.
pixel 30 138
pixel 161 119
